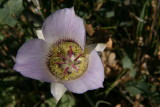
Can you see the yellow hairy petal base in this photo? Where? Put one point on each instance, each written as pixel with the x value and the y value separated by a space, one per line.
pixel 67 60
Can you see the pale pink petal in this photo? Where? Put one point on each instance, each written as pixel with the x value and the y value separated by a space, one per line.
pixel 64 24
pixel 92 79
pixel 31 60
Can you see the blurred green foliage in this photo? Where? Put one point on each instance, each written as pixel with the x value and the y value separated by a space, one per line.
pixel 133 26
pixel 10 11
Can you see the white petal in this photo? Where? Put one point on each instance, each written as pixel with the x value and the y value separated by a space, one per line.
pixel 57 90
pixel 100 47
pixel 40 34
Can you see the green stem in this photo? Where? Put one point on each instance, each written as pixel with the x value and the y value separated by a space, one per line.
pixel 40 10
pixel 100 102
pixel 88 99
pixel 111 27
pixel 114 84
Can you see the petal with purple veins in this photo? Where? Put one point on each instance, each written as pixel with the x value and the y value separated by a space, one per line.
pixel 64 24
pixel 31 60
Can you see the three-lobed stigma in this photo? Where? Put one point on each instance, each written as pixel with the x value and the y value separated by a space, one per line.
pixel 67 61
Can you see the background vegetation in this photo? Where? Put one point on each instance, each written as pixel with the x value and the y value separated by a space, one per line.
pixel 129 28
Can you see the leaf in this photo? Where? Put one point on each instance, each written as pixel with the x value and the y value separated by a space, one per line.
pixel 1 1
pixel 128 64
pixel 67 101
pixel 1 37
pixel 156 100
pixel 117 1
pixel 126 23
pixel 138 87
pixel 10 11
pixel 50 102
pixel 133 90
pixel 110 14
pixel 8 99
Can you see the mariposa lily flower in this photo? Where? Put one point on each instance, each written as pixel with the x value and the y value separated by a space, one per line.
pixel 62 57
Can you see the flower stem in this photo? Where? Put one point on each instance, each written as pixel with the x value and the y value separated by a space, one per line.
pixel 115 83
pixel 88 99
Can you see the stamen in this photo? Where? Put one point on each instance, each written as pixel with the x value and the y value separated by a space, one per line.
pixel 75 67
pixel 78 56
pixel 70 51
pixel 61 56
pixel 66 70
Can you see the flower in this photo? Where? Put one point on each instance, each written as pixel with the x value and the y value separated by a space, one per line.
pixel 62 57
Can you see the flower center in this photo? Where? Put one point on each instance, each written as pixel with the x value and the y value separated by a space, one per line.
pixel 67 61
